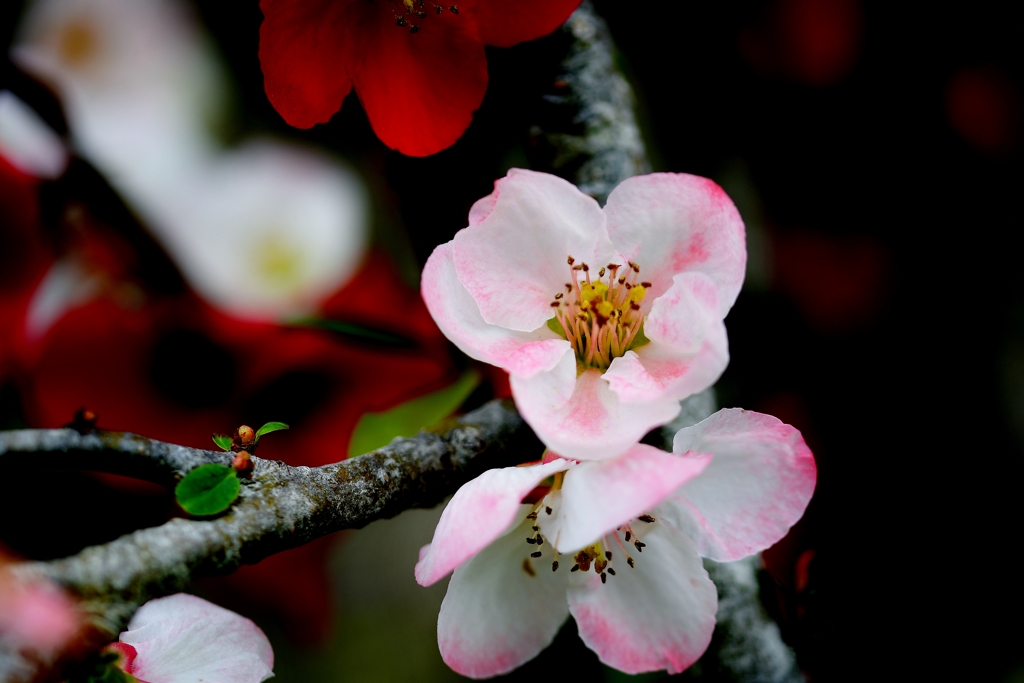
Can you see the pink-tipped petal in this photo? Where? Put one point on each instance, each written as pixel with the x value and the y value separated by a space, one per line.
pixel 458 316
pixel 672 223
pixel 479 512
pixel 658 615
pixel 593 424
pixel 598 497
pixel 688 349
pixel 502 607
pixel 513 261
pixel 757 486
pixel 184 638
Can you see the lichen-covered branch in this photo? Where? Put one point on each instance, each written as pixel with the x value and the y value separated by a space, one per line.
pixel 592 137
pixel 281 507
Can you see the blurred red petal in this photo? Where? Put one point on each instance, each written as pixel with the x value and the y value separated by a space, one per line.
pixel 419 89
pixel 302 46
pixel 504 24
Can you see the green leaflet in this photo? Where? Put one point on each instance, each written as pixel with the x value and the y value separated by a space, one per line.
pixel 207 490
pixel 223 441
pixel 378 429
pixel 270 427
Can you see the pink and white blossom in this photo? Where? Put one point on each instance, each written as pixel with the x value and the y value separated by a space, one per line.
pixel 605 318
pixel 184 639
pixel 616 543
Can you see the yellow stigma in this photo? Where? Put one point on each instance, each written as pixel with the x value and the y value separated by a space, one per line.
pixel 601 317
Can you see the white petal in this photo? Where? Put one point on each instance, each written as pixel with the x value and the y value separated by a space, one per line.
pixel 502 607
pixel 592 424
pixel 184 639
pixel 671 223
pixel 478 513
pixel 658 615
pixel 512 260
pixel 27 142
pixel 458 316
pixel 757 486
pixel 598 497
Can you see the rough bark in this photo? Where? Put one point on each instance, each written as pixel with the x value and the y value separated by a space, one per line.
pixel 280 507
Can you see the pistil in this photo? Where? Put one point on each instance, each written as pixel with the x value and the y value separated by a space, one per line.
pixel 600 317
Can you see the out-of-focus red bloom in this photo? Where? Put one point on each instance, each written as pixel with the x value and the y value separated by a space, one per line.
pixel 418 66
pixel 177 370
pixel 984 107
pixel 816 42
pixel 23 253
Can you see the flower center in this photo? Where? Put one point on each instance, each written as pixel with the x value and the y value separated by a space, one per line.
pixel 601 316
pixel 409 12
pixel 595 556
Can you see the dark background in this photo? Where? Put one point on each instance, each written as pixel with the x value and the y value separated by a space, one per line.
pixel 874 149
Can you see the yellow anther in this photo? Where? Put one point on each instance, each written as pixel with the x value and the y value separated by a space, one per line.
pixel 593 291
pixel 605 309
pixel 637 293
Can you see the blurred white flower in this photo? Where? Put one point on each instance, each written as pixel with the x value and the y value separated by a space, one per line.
pixel 264 232
pixel 269 230
pixel 139 82
pixel 26 142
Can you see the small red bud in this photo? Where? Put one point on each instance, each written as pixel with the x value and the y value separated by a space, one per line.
pixel 242 463
pixel 246 435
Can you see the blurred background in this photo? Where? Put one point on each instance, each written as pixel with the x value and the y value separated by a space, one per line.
pixel 196 264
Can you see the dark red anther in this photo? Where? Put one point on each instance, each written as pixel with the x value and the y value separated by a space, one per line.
pixel 536 554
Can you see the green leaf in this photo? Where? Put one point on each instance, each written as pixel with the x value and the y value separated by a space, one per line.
pixel 640 339
pixel 207 490
pixel 223 441
pixel 354 331
pixel 556 327
pixel 378 429
pixel 270 427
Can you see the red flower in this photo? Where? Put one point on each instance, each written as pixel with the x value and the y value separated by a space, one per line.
pixel 418 66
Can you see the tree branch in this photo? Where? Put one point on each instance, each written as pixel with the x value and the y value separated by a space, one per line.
pixel 281 507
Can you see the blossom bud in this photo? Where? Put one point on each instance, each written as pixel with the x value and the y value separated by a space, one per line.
pixel 243 464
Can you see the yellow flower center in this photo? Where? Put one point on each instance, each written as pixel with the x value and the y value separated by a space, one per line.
pixel 601 317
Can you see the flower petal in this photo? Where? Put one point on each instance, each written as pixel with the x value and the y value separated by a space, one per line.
pixel 598 497
pixel 302 53
pixel 504 24
pixel 592 424
pixel 671 223
pixel 688 351
pixel 456 313
pixel 658 615
pixel 513 261
pixel 419 89
pixel 184 638
pixel 498 615
pixel 756 487
pixel 479 512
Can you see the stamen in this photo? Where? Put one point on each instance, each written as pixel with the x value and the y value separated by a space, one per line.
pixel 646 518
pixel 628 535
pixel 454 9
pixel 604 578
pixel 547 510
pixel 608 554
pixel 554 566
pixel 532 515
pixel 629 561
pixel 611 571
pixel 575 568
pixel 540 540
pixel 531 540
pixel 536 554
pixel 640 545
